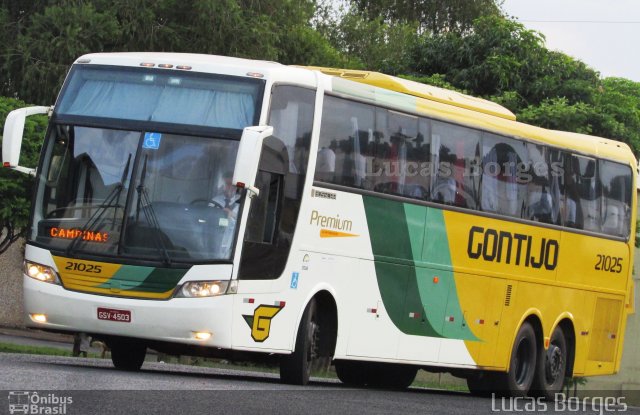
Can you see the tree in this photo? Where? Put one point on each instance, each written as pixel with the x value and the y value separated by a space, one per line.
pixel 432 16
pixel 559 114
pixel 53 39
pixel 374 44
pixel 500 56
pixel 617 104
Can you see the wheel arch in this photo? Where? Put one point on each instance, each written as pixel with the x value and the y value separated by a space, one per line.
pixel 565 322
pixel 534 318
pixel 325 298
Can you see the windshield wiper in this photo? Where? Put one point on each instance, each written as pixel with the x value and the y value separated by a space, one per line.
pixel 145 202
pixel 114 195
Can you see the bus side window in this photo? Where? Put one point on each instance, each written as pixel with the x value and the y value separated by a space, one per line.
pixel 543 187
pixel 616 198
pixel 503 179
pixel 582 207
pixel 346 135
pixel 455 151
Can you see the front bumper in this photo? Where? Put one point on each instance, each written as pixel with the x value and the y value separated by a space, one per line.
pixel 174 320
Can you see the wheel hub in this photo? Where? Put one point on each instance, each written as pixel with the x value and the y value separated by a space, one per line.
pixel 554 362
pixel 314 341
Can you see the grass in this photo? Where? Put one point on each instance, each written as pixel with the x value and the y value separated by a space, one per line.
pixel 42 350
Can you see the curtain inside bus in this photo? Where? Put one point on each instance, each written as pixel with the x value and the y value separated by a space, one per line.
pixel 165 96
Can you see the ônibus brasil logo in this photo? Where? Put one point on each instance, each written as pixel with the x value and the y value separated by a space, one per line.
pixel 23 402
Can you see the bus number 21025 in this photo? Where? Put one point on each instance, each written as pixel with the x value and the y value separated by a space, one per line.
pixel 608 263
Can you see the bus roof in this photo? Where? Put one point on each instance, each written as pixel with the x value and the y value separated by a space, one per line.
pixel 417 89
pixel 191 59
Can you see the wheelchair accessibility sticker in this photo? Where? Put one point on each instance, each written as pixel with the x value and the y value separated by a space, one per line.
pixel 152 141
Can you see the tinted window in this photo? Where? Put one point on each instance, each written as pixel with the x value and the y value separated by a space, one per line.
pixel 395 153
pixel 504 175
pixel 616 198
pixel 346 137
pixel 582 207
pixel 455 153
pixel 399 152
pixel 543 185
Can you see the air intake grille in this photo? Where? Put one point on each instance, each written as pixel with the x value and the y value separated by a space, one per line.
pixel 507 297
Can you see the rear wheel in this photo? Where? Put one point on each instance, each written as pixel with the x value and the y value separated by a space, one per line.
pixel 552 367
pixel 482 383
pixel 522 366
pixel 127 354
pixel 351 373
pixel 391 376
pixel 296 368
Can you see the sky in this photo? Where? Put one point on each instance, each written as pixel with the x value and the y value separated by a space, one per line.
pixel 604 34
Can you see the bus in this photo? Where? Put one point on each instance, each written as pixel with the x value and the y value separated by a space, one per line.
pixel 241 209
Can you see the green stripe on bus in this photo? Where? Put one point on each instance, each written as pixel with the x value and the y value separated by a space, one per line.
pixel 403 238
pixel 145 279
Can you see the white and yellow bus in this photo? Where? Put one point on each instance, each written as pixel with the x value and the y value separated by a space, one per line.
pixel 224 207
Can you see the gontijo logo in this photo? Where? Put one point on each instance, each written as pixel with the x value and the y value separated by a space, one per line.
pixel 260 321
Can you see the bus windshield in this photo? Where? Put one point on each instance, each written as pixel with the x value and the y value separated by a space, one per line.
pixel 141 194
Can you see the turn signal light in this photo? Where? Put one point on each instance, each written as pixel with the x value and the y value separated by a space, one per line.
pixel 39 318
pixel 202 335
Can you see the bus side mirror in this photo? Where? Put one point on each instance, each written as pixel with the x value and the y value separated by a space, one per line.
pixel 248 158
pixel 12 137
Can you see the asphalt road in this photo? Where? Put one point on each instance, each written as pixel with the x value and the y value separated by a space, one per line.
pixel 93 386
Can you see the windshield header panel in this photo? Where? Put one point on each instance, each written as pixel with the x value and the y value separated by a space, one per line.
pixel 132 96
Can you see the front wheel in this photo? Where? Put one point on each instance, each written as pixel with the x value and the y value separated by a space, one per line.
pixel 127 354
pixel 295 369
pixel 552 367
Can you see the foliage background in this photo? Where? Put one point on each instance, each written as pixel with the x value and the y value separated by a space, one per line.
pixel 467 45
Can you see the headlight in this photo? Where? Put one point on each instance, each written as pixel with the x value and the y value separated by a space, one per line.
pixel 203 289
pixel 41 272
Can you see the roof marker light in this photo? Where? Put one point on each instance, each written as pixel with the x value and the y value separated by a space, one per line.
pixel 184 67
pixel 148 64
pixel 165 65
pixel 255 74
pixel 83 61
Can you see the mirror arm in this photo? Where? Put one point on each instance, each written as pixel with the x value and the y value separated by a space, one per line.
pixel 26 170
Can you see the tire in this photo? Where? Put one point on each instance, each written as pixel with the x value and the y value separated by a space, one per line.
pixel 522 365
pixel 127 354
pixel 551 368
pixel 482 383
pixel 351 373
pixel 295 369
pixel 375 375
pixel 391 376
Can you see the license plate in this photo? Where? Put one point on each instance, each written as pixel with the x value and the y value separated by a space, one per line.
pixel 123 316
